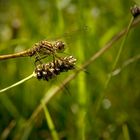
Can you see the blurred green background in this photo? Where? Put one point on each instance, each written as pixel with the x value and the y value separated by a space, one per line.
pixel 73 111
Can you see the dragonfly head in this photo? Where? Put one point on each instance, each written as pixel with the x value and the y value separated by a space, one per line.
pixel 60 46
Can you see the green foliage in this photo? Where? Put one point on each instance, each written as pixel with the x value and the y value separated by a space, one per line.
pixel 72 113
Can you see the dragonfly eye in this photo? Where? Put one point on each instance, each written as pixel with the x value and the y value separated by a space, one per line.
pixel 60 45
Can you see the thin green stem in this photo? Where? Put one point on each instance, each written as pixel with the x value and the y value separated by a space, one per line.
pixel 18 83
pixel 114 65
pixel 125 132
pixel 125 64
pixel 119 53
pixel 50 121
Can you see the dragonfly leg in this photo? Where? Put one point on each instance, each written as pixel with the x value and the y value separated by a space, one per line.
pixel 37 59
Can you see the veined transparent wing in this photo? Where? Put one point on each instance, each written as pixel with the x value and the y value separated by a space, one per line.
pixel 137 1
pixel 45 48
pixel 70 36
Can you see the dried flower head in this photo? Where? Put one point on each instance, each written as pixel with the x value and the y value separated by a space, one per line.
pixel 135 10
pixel 49 70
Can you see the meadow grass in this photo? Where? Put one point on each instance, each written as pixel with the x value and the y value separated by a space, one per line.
pixel 94 109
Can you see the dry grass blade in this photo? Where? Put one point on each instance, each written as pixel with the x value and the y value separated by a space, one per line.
pixel 88 62
pixel 7 130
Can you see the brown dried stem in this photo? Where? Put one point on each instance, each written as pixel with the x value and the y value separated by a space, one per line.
pixel 106 47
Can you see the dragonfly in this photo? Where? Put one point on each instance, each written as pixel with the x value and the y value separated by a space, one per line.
pixel 43 48
pixel 49 70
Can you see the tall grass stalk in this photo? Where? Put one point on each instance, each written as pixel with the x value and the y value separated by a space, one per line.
pixel 81 97
pixel 50 122
pixel 114 66
pixel 125 132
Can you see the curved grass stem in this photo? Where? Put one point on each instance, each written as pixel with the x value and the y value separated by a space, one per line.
pixel 87 63
pixel 119 52
pixel 125 64
pixel 18 83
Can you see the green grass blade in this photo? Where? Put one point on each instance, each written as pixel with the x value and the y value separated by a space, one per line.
pixel 125 132
pixel 50 122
